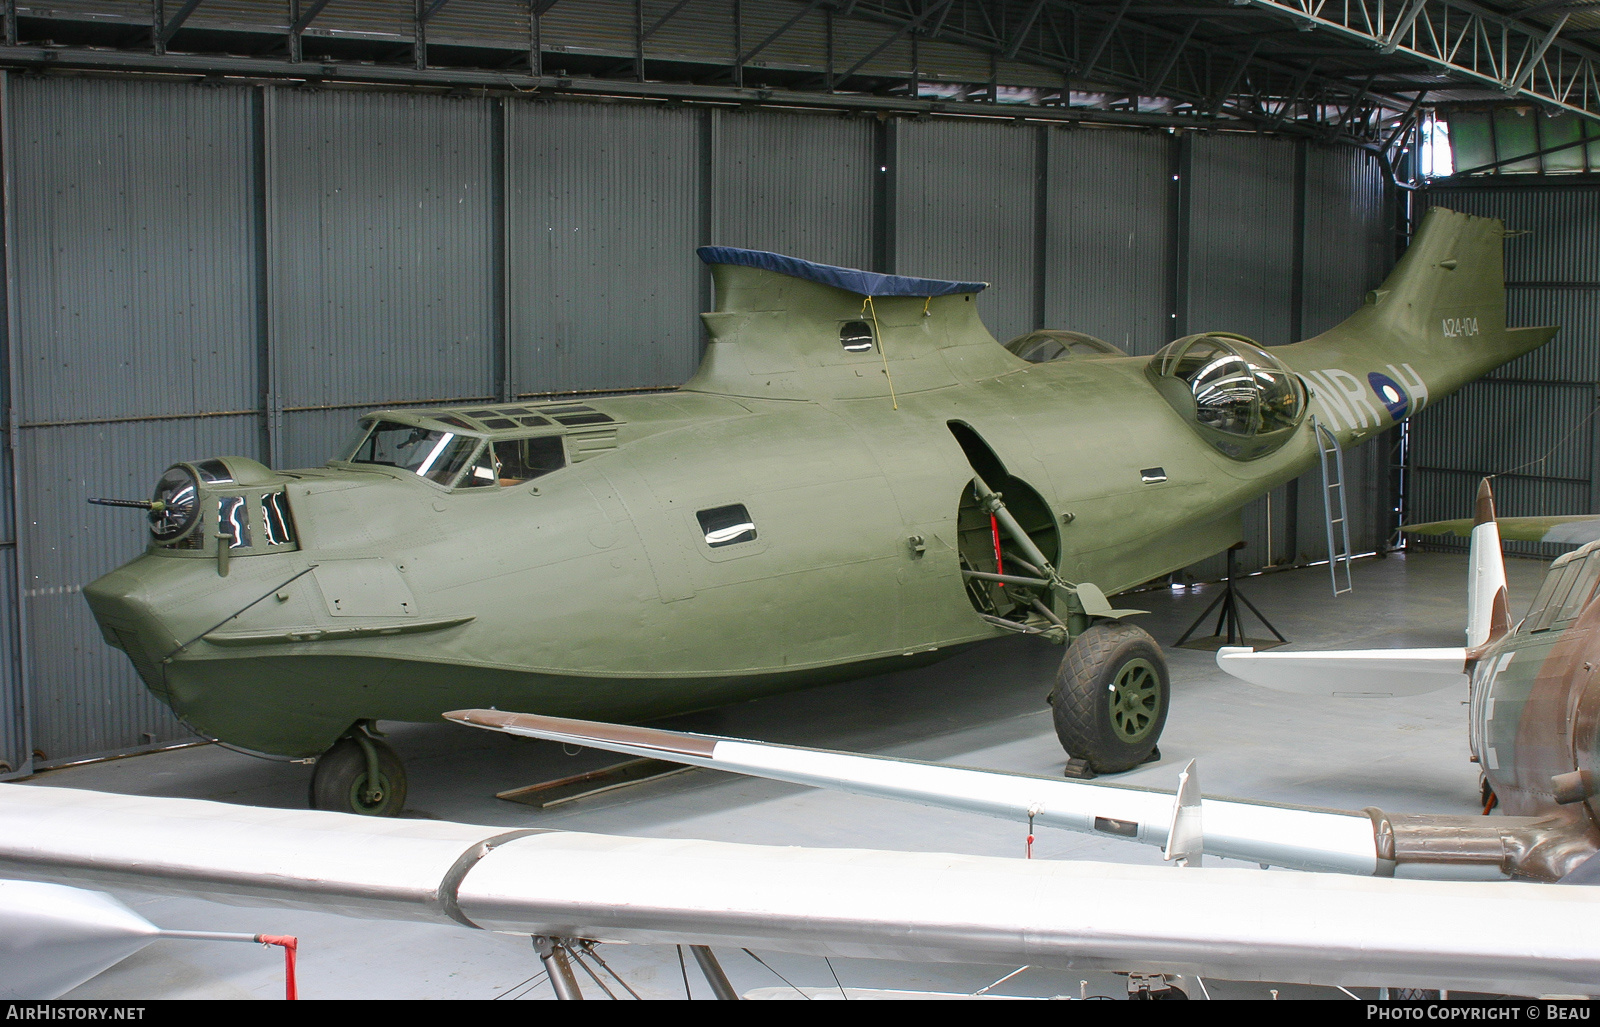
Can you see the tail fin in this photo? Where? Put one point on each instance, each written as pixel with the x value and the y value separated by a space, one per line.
pixel 1488 603
pixel 1436 323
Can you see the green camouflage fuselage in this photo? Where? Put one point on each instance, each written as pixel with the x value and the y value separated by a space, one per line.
pixel 592 591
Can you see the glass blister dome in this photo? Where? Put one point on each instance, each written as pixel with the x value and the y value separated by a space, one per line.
pixel 1047 345
pixel 1243 400
pixel 175 504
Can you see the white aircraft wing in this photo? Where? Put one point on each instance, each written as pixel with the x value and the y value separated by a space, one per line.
pixel 1350 673
pixel 934 907
pixel 1284 836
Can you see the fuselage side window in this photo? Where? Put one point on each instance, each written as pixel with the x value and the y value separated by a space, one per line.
pixel 727 525
pixel 855 337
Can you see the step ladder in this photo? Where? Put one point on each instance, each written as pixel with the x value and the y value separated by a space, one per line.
pixel 1335 512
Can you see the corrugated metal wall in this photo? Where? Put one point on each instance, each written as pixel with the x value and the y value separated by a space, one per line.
pixel 1108 233
pixel 1532 421
pixel 134 309
pixel 241 270
pixel 603 208
pixel 1241 237
pixel 965 211
pixel 795 184
pixel 380 240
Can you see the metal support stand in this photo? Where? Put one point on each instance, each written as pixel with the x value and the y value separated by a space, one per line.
pixel 709 966
pixel 1229 599
pixel 553 954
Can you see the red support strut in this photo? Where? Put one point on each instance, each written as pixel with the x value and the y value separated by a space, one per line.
pixel 290 945
pixel 994 529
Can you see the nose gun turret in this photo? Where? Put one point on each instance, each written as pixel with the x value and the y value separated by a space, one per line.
pixel 219 508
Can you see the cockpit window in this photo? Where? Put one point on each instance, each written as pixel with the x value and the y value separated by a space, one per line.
pixel 1566 591
pixel 436 455
pixel 1582 589
pixel 1229 385
pixel 482 473
pixel 523 460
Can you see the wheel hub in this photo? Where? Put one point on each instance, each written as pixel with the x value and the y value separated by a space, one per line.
pixel 363 797
pixel 1135 700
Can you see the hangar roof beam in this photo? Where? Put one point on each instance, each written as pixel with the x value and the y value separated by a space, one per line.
pixel 1469 41
pixel 969 23
pixel 659 22
pixel 905 26
pixel 1093 59
pixel 1159 79
pixel 1027 24
pixel 308 16
pixel 299 21
pixel 176 21
pixel 1294 94
pixel 745 57
pixel 431 10
pixel 1233 82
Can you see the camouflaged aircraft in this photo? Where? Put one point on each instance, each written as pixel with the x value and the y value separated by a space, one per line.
pixel 859 478
pixel 1533 696
pixel 1534 727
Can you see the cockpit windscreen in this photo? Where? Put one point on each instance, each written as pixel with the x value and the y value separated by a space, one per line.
pixel 436 455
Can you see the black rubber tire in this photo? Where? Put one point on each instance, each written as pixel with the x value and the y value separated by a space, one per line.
pixel 1084 702
pixel 341 776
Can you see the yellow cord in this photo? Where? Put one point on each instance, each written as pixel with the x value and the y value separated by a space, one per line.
pixel 925 301
pixel 868 304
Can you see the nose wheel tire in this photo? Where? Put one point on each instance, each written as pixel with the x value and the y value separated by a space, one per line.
pixel 1111 695
pixel 341 782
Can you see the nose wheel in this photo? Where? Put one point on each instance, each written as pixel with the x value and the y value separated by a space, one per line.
pixel 359 774
pixel 1110 699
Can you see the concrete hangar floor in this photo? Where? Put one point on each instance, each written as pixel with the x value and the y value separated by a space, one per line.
pixel 984 708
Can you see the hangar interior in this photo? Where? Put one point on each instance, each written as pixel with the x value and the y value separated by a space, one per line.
pixel 232 226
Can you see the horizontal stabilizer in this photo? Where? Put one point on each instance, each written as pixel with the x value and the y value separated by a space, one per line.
pixel 1356 673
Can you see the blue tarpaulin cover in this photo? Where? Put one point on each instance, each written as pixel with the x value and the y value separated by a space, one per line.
pixel 862 283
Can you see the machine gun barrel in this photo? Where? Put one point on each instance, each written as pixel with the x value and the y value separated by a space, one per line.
pixel 138 504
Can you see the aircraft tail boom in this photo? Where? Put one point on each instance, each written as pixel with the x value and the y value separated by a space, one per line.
pixel 1437 322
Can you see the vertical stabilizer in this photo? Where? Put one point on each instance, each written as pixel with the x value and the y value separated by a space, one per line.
pixel 1488 605
pixel 1437 322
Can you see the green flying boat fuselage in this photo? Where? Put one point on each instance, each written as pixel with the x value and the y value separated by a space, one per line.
pixel 801 511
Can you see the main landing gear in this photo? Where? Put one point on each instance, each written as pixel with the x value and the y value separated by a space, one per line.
pixel 359 773
pixel 1112 690
pixel 1110 699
